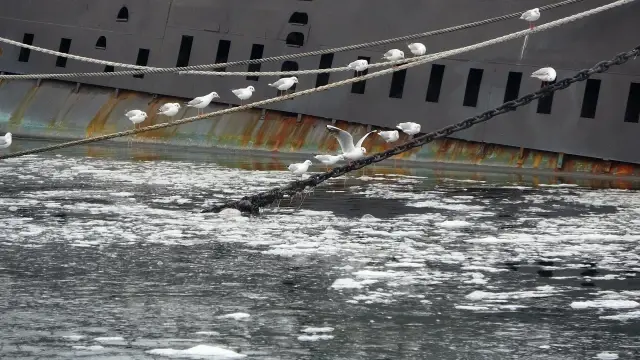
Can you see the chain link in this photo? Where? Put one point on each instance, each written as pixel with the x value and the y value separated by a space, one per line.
pixel 252 204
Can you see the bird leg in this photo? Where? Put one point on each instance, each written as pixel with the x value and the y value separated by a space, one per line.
pixel 531 26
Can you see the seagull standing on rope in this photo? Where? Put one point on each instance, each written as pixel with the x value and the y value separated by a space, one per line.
pixel 409 128
pixel 300 168
pixel 359 66
pixel 244 93
pixel 285 83
pixel 329 159
pixel 5 141
pixel 202 102
pixel 546 74
pixel 349 150
pixel 389 136
pixel 136 116
pixel 417 49
pixel 531 16
pixel 169 109
pixel 393 55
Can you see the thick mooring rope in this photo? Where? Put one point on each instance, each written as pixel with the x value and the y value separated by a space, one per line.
pixel 252 204
pixel 155 70
pixel 414 62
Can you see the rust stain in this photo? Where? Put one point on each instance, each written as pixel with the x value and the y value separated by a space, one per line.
pixel 97 124
pixel 18 114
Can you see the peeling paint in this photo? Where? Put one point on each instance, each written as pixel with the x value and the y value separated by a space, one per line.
pixel 95 111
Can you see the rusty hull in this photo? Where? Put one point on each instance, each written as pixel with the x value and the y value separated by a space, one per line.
pixel 60 110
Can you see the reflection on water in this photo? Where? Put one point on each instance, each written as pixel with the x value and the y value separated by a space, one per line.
pixel 104 255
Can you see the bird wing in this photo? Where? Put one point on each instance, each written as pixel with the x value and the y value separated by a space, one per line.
pixel 165 107
pixel 543 71
pixel 195 101
pixel 3 141
pixel 132 113
pixel 359 144
pixel 278 83
pixel 344 138
pixel 238 91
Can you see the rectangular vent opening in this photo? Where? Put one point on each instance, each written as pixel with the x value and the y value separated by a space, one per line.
pixel 546 102
pixel 590 99
pixel 142 60
pixel 359 87
pixel 397 84
pixel 435 83
pixel 632 112
pixel 108 68
pixel 222 55
pixel 256 53
pixel 326 60
pixel 65 45
pixel 512 90
pixel 472 90
pixel 185 51
pixel 24 52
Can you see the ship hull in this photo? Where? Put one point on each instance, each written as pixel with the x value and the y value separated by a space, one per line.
pixel 160 26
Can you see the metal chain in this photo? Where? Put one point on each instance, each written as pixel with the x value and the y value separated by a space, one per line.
pixel 154 70
pixel 412 63
pixel 252 204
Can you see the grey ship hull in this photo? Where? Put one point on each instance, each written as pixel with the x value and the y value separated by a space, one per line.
pixel 608 131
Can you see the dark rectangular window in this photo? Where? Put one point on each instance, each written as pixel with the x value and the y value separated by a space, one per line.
pixel 185 51
pixel 108 68
pixel 512 90
pixel 590 99
pixel 359 87
pixel 633 104
pixel 142 60
pixel 397 84
pixel 546 102
pixel 435 83
pixel 473 87
pixel 222 56
pixel 256 53
pixel 65 45
pixel 24 52
pixel 326 60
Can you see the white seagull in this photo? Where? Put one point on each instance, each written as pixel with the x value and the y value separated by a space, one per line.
pixel 329 159
pixel 389 136
pixel 417 49
pixel 300 168
pixel 393 55
pixel 136 116
pixel 531 16
pixel 5 141
pixel 359 65
pixel 244 93
pixel 409 128
pixel 169 109
pixel 349 151
pixel 202 102
pixel 546 74
pixel 285 83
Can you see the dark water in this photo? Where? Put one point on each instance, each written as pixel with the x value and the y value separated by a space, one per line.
pixel 103 255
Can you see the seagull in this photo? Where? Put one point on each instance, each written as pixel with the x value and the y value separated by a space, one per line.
pixel 169 109
pixel 202 102
pixel 359 65
pixel 329 159
pixel 546 74
pixel 136 116
pixel 5 141
pixel 300 168
pixel 389 136
pixel 349 151
pixel 244 93
pixel 531 16
pixel 393 55
pixel 285 83
pixel 409 128
pixel 418 49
